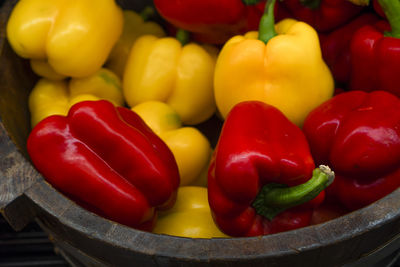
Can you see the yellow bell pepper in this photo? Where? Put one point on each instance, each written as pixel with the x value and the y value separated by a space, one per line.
pixel 191 149
pixel 284 69
pixel 135 25
pixel 56 97
pixel 74 36
pixel 182 76
pixel 190 216
pixel 42 68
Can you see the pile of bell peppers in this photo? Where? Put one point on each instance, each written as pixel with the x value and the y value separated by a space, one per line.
pixel 52 31
pixel 301 96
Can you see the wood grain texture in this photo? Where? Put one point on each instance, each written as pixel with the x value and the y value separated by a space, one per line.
pixel 24 194
pixel 16 173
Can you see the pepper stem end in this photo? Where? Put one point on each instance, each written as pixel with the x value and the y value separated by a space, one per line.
pixel 276 198
pixel 266 30
pixel 183 36
pixel 391 8
pixel 147 13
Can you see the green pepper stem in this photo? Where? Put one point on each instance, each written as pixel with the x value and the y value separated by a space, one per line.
pixel 266 30
pixel 275 198
pixel 183 36
pixel 147 13
pixel 392 12
pixel 312 4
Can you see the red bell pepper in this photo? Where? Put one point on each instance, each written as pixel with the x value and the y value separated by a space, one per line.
pixel 378 8
pixel 213 21
pixel 358 135
pixel 108 160
pixel 260 173
pixel 375 53
pixel 323 15
pixel 335 46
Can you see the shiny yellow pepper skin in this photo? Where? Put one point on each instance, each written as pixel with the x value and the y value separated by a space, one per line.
pixel 190 216
pixel 287 72
pixel 182 76
pixel 74 36
pixel 134 27
pixel 191 149
pixel 43 69
pixel 56 97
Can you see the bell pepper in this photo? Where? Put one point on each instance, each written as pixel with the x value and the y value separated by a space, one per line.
pixel 212 21
pixel 163 69
pixel 378 9
pixel 358 135
pixel 323 15
pixel 283 68
pixel 135 25
pixel 43 69
pixel 335 46
pixel 209 22
pixel 191 149
pixel 123 172
pixel 74 37
pixel 375 53
pixel 259 180
pixel 56 97
pixel 190 216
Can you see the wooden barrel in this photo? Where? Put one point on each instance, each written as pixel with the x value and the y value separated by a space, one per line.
pixel 95 241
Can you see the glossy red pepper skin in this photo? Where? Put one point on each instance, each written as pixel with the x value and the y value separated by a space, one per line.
pixel 358 135
pixel 108 160
pixel 335 46
pixel 213 21
pixel 375 59
pixel 327 16
pixel 258 145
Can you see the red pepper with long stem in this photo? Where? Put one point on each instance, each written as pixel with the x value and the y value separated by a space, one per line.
pixel 108 160
pixel 358 135
pixel 335 46
pixel 259 181
pixel 375 53
pixel 323 15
